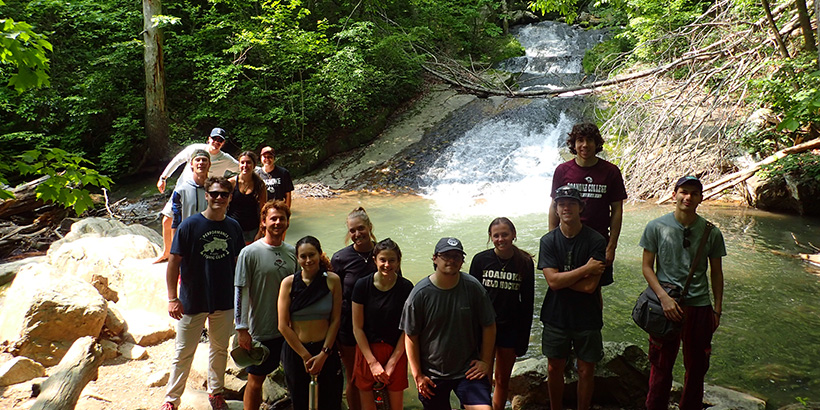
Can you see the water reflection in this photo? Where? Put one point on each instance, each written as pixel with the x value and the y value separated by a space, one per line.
pixel 766 344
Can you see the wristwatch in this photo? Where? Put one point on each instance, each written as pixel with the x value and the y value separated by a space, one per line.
pixel 326 350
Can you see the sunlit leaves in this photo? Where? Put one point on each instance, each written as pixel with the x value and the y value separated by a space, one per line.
pixel 26 50
pixel 67 175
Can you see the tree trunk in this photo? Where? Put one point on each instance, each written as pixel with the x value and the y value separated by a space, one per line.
pixel 68 379
pixel 25 199
pixel 505 17
pixel 784 52
pixel 156 117
pixel 805 25
pixel 817 18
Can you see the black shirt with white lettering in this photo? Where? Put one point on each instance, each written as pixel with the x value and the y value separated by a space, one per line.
pixel 511 290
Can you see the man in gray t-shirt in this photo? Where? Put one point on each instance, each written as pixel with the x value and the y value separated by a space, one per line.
pixel 450 326
pixel 259 271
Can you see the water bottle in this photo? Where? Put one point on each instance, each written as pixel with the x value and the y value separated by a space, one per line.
pixel 381 396
pixel 313 394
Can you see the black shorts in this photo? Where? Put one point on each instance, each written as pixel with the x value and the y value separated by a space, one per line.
pixel 272 362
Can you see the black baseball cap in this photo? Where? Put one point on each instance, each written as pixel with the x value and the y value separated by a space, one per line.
pixel 689 180
pixel 449 244
pixel 219 132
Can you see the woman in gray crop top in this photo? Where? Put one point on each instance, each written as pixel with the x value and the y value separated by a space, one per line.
pixel 309 309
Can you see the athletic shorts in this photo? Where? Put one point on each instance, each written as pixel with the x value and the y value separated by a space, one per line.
pixel 507 336
pixel 362 376
pixel 556 343
pixel 272 362
pixel 469 392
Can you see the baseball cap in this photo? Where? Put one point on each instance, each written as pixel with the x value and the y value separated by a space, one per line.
pixel 219 132
pixel 201 153
pixel 567 191
pixel 449 244
pixel 267 150
pixel 689 180
pixel 254 357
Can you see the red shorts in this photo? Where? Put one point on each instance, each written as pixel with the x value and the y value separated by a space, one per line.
pixel 363 378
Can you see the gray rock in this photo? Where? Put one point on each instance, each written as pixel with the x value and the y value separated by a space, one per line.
pixel 109 348
pixel 114 320
pixel 20 369
pixel 132 351
pixel 721 398
pixel 147 329
pixel 105 227
pixel 9 270
pixel 273 389
pixel 158 379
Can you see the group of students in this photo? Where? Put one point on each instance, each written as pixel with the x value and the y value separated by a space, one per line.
pixel 355 321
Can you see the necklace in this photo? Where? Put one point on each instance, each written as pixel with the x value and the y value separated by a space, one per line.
pixel 502 262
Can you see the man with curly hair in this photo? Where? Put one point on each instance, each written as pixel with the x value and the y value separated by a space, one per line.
pixel 601 186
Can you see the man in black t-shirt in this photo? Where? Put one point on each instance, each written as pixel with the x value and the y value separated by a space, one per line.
pixel 572 258
pixel 203 256
pixel 277 179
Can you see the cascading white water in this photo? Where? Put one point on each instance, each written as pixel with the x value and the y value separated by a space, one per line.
pixel 504 164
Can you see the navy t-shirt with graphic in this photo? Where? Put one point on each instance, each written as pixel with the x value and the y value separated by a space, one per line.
pixel 209 250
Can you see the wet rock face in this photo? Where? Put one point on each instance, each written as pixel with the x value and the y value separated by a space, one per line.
pixel 786 194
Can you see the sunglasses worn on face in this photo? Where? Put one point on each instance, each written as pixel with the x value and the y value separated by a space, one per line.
pixel 218 139
pixel 219 194
pixel 686 232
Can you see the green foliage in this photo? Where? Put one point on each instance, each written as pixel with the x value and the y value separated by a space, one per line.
pixel 792 91
pixel 607 55
pixel 804 166
pixel 566 8
pixel 25 50
pixel 67 176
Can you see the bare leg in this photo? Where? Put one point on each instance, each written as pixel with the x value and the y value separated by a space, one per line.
pixel 167 237
pixel 586 382
pixel 555 382
pixel 351 392
pixel 253 392
pixel 504 361
pixel 396 399
pixel 368 399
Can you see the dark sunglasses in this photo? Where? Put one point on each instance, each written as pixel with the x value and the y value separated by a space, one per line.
pixel 218 139
pixel 219 194
pixel 686 232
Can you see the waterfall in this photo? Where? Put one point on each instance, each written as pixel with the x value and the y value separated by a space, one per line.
pixel 504 164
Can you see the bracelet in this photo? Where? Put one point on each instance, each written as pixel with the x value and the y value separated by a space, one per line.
pixel 717 313
pixel 173 300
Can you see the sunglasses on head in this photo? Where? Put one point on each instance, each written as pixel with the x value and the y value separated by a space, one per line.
pixel 219 194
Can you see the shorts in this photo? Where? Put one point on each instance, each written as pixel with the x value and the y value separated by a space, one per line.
pixel 362 376
pixel 556 343
pixel 469 392
pixel 272 362
pixel 507 336
pixel 607 278
pixel 249 236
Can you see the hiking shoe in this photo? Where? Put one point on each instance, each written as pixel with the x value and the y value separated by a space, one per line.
pixel 167 406
pixel 217 402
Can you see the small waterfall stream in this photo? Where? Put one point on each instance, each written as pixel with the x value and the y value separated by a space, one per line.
pixel 504 164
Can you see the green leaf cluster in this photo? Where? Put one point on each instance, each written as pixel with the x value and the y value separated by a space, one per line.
pixel 804 166
pixel 67 176
pixel 25 50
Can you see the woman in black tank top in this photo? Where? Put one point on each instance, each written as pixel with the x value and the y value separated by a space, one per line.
pixel 249 196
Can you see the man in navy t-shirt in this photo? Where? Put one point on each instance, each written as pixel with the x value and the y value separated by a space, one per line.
pixel 203 256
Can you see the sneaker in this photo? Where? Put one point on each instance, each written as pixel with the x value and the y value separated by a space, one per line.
pixel 217 402
pixel 167 406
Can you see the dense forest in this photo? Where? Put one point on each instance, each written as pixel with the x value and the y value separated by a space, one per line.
pixel 320 76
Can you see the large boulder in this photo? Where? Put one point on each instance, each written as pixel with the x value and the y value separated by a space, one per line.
pixel 105 228
pixel 45 312
pixel 621 379
pixel 88 256
pixel 787 193
pixel 20 369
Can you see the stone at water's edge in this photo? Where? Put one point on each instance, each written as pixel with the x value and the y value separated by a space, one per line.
pixel 621 380
pixel 785 194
